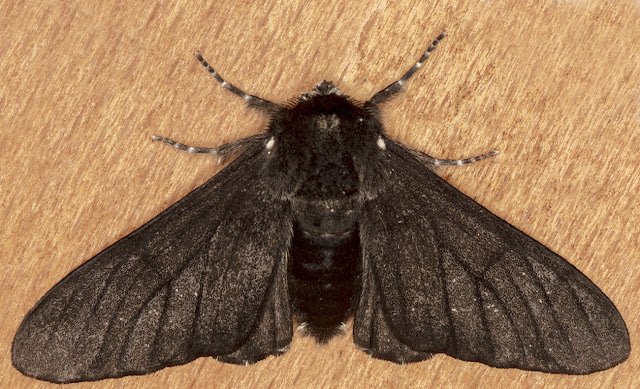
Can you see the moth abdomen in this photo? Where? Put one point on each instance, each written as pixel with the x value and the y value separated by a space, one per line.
pixel 324 264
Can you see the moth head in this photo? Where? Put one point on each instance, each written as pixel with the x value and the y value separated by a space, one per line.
pixel 323 88
pixel 325 121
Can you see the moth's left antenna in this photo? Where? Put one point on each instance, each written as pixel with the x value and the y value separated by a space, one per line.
pixel 252 101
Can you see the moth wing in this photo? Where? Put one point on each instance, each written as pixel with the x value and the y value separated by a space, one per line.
pixel 442 274
pixel 206 277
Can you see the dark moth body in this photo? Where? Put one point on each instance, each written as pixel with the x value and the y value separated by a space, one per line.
pixel 324 267
pixel 321 217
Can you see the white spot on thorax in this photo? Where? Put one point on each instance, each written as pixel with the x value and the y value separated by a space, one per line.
pixel 270 143
pixel 381 143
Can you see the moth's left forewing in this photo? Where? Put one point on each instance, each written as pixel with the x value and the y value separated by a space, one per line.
pixel 442 274
pixel 206 277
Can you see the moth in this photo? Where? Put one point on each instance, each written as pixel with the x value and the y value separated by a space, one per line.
pixel 321 217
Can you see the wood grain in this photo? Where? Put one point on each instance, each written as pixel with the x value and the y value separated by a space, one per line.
pixel 554 85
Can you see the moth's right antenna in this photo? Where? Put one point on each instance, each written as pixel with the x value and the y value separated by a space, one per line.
pixel 252 101
pixel 396 87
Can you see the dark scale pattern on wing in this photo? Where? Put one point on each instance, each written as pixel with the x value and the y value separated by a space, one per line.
pixel 454 278
pixel 205 277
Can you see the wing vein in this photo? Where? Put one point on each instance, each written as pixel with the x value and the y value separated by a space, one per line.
pixel 527 304
pixel 554 314
pixel 113 318
pixel 443 276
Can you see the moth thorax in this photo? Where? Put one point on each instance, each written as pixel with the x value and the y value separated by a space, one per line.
pixel 327 134
pixel 327 124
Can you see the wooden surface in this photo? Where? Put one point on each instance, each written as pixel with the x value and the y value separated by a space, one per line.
pixel 554 85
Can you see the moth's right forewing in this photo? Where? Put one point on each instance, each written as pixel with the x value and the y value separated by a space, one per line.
pixel 442 274
pixel 206 277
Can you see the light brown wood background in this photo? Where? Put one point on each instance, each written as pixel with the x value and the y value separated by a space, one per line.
pixel 554 85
